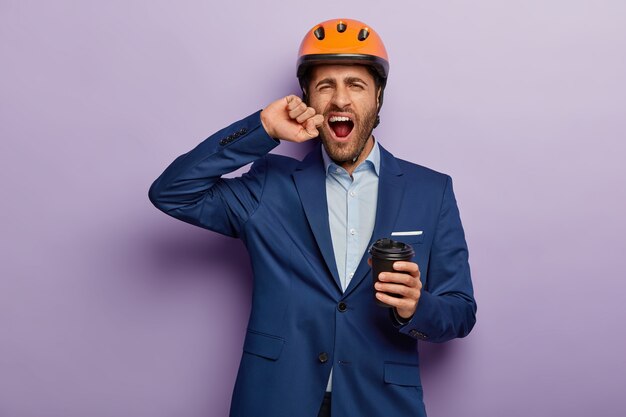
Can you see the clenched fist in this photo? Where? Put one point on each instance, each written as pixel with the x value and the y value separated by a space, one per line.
pixel 290 119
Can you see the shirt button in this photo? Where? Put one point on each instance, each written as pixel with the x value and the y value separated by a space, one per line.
pixel 352 193
pixel 351 274
pixel 342 306
pixel 352 232
pixel 338 170
pixel 323 357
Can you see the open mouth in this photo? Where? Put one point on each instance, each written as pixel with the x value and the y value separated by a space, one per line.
pixel 341 125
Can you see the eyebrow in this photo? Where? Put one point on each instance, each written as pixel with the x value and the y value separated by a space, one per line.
pixel 346 80
pixel 352 80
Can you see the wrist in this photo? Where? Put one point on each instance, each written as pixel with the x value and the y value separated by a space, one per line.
pixel 400 321
pixel 266 125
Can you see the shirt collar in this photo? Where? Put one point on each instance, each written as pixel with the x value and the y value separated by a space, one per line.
pixel 372 160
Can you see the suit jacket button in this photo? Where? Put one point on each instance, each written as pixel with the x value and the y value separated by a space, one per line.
pixel 342 306
pixel 323 357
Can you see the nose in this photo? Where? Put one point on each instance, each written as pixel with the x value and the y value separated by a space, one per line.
pixel 341 98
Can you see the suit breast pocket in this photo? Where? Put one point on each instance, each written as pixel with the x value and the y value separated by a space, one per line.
pixel 416 241
pixel 411 238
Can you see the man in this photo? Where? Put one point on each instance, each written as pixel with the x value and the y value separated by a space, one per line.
pixel 317 343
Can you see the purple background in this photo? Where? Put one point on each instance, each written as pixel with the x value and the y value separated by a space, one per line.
pixel 110 308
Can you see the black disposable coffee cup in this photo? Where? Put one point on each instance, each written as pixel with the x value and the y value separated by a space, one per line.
pixel 384 253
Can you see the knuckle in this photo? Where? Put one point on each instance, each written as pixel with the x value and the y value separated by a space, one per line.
pixel 408 280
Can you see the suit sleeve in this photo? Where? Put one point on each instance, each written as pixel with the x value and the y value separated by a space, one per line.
pixel 191 188
pixel 446 309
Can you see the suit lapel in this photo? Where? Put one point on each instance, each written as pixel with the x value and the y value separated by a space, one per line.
pixel 310 180
pixel 391 185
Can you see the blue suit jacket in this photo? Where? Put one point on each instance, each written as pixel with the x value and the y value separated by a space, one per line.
pixel 296 331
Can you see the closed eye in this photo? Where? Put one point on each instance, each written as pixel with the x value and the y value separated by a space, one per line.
pixel 355 82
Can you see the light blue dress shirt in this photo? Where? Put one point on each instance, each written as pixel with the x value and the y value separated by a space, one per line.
pixel 352 202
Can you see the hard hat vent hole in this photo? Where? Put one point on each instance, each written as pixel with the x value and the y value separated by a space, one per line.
pixel 341 27
pixel 319 33
pixel 363 34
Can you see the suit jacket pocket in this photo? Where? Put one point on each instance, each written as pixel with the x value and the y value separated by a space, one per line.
pixel 413 240
pixel 263 345
pixel 402 374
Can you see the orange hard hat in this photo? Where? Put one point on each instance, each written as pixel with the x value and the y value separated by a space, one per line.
pixel 343 41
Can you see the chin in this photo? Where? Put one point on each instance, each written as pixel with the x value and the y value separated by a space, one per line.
pixel 341 154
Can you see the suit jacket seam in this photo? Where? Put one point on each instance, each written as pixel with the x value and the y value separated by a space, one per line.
pixel 245 223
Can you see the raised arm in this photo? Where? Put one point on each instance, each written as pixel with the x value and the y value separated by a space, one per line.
pixel 191 188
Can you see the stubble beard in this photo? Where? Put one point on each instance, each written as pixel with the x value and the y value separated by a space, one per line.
pixel 349 152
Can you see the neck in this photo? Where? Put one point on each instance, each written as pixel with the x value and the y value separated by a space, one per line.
pixel 350 166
